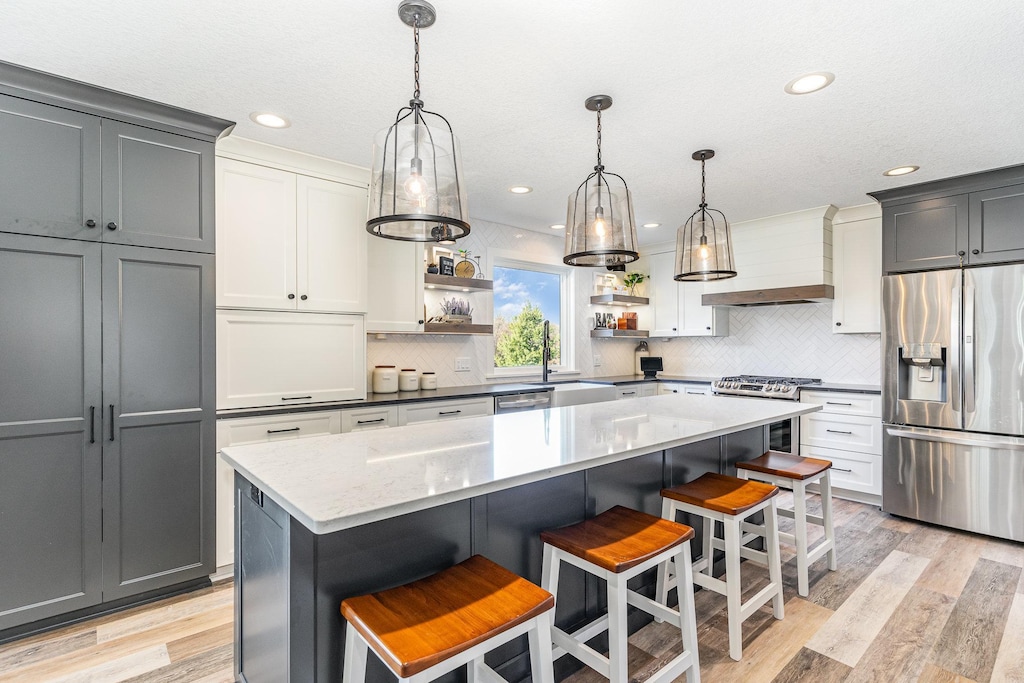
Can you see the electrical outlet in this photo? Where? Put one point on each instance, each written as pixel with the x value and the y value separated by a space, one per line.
pixel 461 365
pixel 597 360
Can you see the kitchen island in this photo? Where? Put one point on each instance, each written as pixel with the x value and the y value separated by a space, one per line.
pixel 324 518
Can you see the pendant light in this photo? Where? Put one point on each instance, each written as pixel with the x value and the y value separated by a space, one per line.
pixel 600 230
pixel 703 243
pixel 417 191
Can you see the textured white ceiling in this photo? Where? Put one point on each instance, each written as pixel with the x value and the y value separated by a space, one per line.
pixel 938 84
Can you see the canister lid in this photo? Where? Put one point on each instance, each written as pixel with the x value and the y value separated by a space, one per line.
pixel 385 366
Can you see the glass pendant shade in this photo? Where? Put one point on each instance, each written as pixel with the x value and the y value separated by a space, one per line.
pixel 704 248
pixel 600 230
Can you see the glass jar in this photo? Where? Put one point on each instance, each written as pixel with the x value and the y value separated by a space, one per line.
pixel 428 380
pixel 408 380
pixel 385 379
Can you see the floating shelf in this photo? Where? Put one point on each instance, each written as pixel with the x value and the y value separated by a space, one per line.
pixel 622 299
pixel 455 328
pixel 607 334
pixel 456 284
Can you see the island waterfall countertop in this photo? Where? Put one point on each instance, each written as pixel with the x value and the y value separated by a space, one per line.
pixel 335 482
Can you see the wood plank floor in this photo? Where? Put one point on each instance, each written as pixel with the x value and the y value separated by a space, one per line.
pixel 910 602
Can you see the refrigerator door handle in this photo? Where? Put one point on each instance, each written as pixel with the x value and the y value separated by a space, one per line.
pixel 959 438
pixel 969 346
pixel 954 350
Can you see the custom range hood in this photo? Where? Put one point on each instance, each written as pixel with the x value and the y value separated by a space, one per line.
pixel 785 259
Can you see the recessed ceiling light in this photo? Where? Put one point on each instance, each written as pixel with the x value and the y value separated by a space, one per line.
pixel 652 225
pixel 557 226
pixel 901 170
pixel 265 118
pixel 520 189
pixel 519 235
pixel 808 83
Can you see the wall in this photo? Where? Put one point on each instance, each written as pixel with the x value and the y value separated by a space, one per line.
pixel 794 340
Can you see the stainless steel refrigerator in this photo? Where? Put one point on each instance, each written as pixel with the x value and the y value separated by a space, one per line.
pixel 953 398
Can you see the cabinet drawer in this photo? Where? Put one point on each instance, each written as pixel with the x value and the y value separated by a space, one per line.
pixel 245 430
pixel 701 389
pixel 634 391
pixel 845 432
pixel 853 471
pixel 360 419
pixel 435 411
pixel 869 405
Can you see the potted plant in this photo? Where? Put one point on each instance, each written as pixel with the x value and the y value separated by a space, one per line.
pixel 633 279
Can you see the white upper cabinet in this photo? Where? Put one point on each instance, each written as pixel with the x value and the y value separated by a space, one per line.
pixel 857 272
pixel 677 306
pixel 395 279
pixel 288 241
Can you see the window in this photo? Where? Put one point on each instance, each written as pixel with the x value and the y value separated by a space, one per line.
pixel 525 295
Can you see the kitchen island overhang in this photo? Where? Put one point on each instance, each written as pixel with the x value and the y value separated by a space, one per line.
pixel 323 518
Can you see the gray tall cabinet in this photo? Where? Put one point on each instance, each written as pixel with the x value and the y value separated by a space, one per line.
pixel 107 365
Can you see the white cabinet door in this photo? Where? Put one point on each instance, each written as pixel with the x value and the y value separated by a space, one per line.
pixel 664 295
pixel 697 320
pixel 287 358
pixel 255 236
pixel 395 281
pixel 857 273
pixel 331 246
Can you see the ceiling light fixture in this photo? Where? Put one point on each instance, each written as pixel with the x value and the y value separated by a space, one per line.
pixel 417 191
pixel 601 229
pixel 901 170
pixel 652 225
pixel 557 226
pixel 265 118
pixel 703 243
pixel 808 83
pixel 520 189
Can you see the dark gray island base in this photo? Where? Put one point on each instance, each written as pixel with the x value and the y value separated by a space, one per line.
pixel 290 581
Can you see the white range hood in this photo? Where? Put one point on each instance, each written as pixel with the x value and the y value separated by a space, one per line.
pixel 784 259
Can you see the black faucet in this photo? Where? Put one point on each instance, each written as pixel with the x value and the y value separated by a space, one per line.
pixel 546 353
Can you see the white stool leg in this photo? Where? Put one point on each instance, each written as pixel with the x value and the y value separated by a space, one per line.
pixel 709 553
pixel 800 536
pixel 618 659
pixel 549 572
pixel 662 588
pixel 825 487
pixel 771 525
pixel 541 670
pixel 355 656
pixel 687 613
pixel 733 589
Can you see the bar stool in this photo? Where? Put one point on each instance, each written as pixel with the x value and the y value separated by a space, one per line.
pixel 429 627
pixel 795 472
pixel 729 500
pixel 616 546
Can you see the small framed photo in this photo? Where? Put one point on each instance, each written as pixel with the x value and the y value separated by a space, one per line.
pixel 446 265
pixel 437 252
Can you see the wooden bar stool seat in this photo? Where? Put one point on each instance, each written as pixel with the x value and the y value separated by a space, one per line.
pixel 424 629
pixel 616 546
pixel 729 500
pixel 796 472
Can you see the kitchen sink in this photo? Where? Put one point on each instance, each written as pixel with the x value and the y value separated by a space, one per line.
pixel 578 393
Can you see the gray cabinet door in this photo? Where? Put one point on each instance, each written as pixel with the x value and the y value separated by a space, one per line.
pixel 157 189
pixel 49 446
pixel 49 170
pixel 924 235
pixel 997 225
pixel 158 411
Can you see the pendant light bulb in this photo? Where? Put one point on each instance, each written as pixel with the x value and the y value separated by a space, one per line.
pixel 703 252
pixel 599 224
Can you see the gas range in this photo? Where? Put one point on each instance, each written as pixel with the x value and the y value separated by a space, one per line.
pixel 760 386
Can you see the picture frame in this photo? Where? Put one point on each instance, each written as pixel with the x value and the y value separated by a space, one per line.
pixel 446 265
pixel 436 252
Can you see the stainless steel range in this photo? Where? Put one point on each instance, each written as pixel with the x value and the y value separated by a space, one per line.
pixel 781 436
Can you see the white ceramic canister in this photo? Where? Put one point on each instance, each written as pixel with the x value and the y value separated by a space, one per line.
pixel 428 380
pixel 408 380
pixel 385 379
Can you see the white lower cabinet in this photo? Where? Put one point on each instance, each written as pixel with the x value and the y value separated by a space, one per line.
pixel 246 430
pixel 848 432
pixel 437 411
pixel 692 389
pixel 362 419
pixel 280 358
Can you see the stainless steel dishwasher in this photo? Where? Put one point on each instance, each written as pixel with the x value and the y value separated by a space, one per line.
pixel 528 400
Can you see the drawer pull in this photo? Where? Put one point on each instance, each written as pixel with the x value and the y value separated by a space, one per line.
pixel 837 403
pixel 449 412
pixel 840 469
pixel 282 431
pixel 369 422
pixel 295 398
pixel 837 431
pixel 628 393
pixel 695 393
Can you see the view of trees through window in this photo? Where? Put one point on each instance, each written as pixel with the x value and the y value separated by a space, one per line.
pixel 523 300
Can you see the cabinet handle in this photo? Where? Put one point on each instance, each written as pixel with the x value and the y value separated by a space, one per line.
pixel 840 469
pixel 695 393
pixel 90 223
pixel 839 324
pixel 673 329
pixel 628 393
pixel 708 327
pixel 975 251
pixel 449 412
pixel 303 297
pixel 295 398
pixel 111 225
pixel 420 322
pixel 111 421
pixel 282 431
pixel 92 424
pixel 369 422
pixel 961 252
pixel 837 431
pixel 837 403
pixel 291 296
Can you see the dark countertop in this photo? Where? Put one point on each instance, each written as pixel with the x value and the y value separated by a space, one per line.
pixel 637 379
pixel 852 388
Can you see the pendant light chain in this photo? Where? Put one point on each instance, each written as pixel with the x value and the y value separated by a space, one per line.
pixel 416 63
pixel 599 166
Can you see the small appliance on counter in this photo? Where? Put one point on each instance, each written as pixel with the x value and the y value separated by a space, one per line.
pixel 651 366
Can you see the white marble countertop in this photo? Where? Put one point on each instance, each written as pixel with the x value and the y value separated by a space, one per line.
pixel 336 482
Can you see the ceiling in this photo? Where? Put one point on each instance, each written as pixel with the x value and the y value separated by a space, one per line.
pixel 935 84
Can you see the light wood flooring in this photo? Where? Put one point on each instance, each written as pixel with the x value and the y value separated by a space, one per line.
pixel 910 602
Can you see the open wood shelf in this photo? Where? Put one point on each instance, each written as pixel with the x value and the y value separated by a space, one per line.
pixel 456 284
pixel 608 334
pixel 455 328
pixel 622 299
